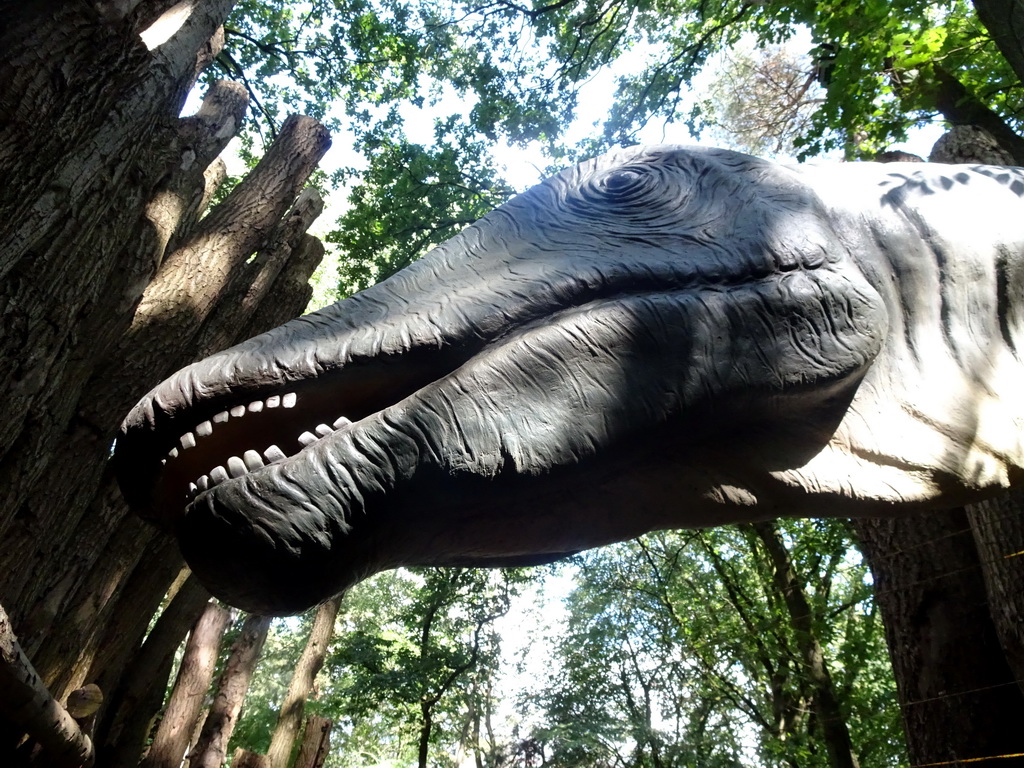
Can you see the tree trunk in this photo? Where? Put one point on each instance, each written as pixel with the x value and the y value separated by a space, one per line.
pixel 825 702
pixel 137 700
pixel 100 211
pixel 958 696
pixel 426 725
pixel 94 646
pixel 186 702
pixel 27 702
pixel 210 750
pixel 243 758
pixel 1004 20
pixel 998 529
pixel 290 718
pixel 316 742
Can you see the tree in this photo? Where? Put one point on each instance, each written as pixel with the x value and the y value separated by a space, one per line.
pixel 289 717
pixel 210 750
pixel 103 203
pixel 399 671
pixel 761 101
pixel 171 740
pixel 679 643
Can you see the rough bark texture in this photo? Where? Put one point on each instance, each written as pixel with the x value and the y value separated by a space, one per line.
pixel 998 529
pixel 210 750
pixel 290 718
pixel 103 245
pixel 969 144
pixel 27 702
pixel 188 695
pixel 136 701
pixel 960 107
pixel 316 741
pixel 958 696
pixel 243 758
pixel 1004 20
pixel 825 702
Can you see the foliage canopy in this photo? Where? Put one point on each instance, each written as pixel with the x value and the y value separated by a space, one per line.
pixel 485 72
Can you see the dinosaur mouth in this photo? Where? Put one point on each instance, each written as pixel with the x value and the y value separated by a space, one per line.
pixel 200 453
pixel 181 445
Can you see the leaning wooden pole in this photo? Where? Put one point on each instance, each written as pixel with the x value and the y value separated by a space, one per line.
pixel 27 703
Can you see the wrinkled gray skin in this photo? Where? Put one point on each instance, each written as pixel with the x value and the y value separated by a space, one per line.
pixel 661 337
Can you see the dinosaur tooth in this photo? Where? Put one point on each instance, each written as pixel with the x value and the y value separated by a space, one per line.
pixel 288 401
pixel 236 467
pixel 342 421
pixel 203 483
pixel 256 406
pixel 204 430
pixel 220 418
pixel 238 410
pixel 193 489
pixel 323 430
pixel 188 440
pixel 307 438
pixel 273 453
pixel 218 475
pixel 252 460
pixel 273 401
pixel 173 453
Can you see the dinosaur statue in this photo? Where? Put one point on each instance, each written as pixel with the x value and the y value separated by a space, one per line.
pixel 659 337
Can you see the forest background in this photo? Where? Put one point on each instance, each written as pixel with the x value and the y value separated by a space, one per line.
pixel 754 646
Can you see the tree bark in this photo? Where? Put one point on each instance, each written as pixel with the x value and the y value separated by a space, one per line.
pixel 960 107
pixel 998 529
pixel 316 742
pixel 290 718
pixel 92 136
pixel 27 702
pixel 825 702
pixel 186 702
pixel 104 189
pixel 1004 20
pixel 243 758
pixel 959 698
pixel 210 750
pixel 143 682
pixel 192 284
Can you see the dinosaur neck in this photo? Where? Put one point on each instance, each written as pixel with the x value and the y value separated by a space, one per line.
pixel 939 414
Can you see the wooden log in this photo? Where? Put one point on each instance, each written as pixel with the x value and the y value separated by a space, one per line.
pixel 27 703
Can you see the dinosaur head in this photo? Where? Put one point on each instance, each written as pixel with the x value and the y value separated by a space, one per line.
pixel 580 366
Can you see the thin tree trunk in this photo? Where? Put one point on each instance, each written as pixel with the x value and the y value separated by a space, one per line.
pixel 186 702
pixel 137 700
pixel 825 702
pixel 426 725
pixel 243 758
pixel 290 718
pixel 316 742
pixel 958 696
pixel 210 750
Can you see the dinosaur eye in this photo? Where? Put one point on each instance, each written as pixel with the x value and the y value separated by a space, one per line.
pixel 621 181
pixel 618 190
